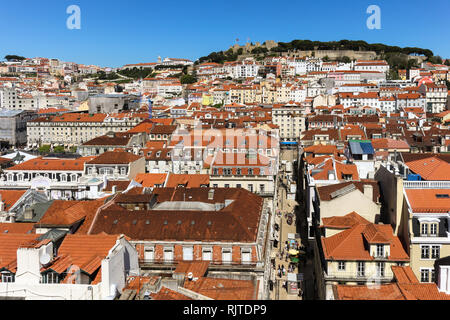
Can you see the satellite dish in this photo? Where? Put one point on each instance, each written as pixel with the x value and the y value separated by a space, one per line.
pixel 45 259
pixel 190 276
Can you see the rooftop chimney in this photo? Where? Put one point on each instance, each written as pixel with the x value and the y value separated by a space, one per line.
pixel 368 191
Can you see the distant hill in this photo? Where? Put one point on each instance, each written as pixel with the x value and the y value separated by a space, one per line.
pixel 355 48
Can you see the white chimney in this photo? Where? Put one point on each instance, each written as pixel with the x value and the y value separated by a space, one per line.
pixel 28 266
pixel 368 191
pixel 444 279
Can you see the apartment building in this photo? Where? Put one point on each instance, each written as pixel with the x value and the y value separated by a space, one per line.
pixel 291 121
pixel 73 129
pixel 172 225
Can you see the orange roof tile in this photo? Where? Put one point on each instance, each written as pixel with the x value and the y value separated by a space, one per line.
pixel 10 197
pixel 426 200
pixel 349 244
pixel 149 180
pixel 431 168
pixel 188 180
pixel 224 289
pixel 52 164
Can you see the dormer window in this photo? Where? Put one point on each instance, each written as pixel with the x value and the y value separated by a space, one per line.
pixel 380 250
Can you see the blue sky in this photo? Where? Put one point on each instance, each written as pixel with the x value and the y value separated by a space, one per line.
pixel 117 32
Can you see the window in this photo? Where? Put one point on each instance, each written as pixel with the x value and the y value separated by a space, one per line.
pixel 227 171
pixel 7 276
pixel 425 252
pixel 341 265
pixel 380 250
pixel 246 256
pixel 239 171
pixel 215 171
pixel 188 253
pixel 361 269
pixel 250 187
pixel 250 171
pixel 149 254
pixel 435 252
pixel 238 185
pixel 207 254
pixel 433 276
pixel 227 185
pixel 50 277
pixel 424 275
pixel 226 255
pixel 433 229
pixel 168 254
pixel 424 229
pixel 380 269
pixel 261 188
pixel 123 171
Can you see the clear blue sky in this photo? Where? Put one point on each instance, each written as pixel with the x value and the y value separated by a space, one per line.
pixel 117 32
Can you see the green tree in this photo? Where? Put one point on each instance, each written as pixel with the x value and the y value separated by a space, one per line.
pixel 187 79
pixel 11 57
pixel 44 148
pixel 58 149
pixel 326 59
pixel 346 59
pixel 435 60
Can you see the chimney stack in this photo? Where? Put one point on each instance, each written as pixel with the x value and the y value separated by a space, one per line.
pixel 368 191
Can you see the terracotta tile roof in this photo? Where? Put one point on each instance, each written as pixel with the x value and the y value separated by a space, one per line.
pixel 376 292
pixel 187 180
pixel 115 157
pixel 87 251
pixel 431 168
pixel 144 126
pixel 321 149
pixel 404 274
pixel 198 268
pixel 17 227
pixel 337 168
pixel 74 117
pixel 163 129
pixel 224 289
pixel 386 143
pixel 158 144
pixel 422 291
pixel 168 294
pixel 406 287
pixel 68 212
pixel 121 185
pixel 326 191
pixel 349 244
pixel 238 221
pixel 10 197
pixel 10 242
pixel 149 180
pixel 52 164
pixel 409 157
pixel 426 200
pixel 344 222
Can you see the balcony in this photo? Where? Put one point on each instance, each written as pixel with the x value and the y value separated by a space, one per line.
pixel 357 276
pixel 214 265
